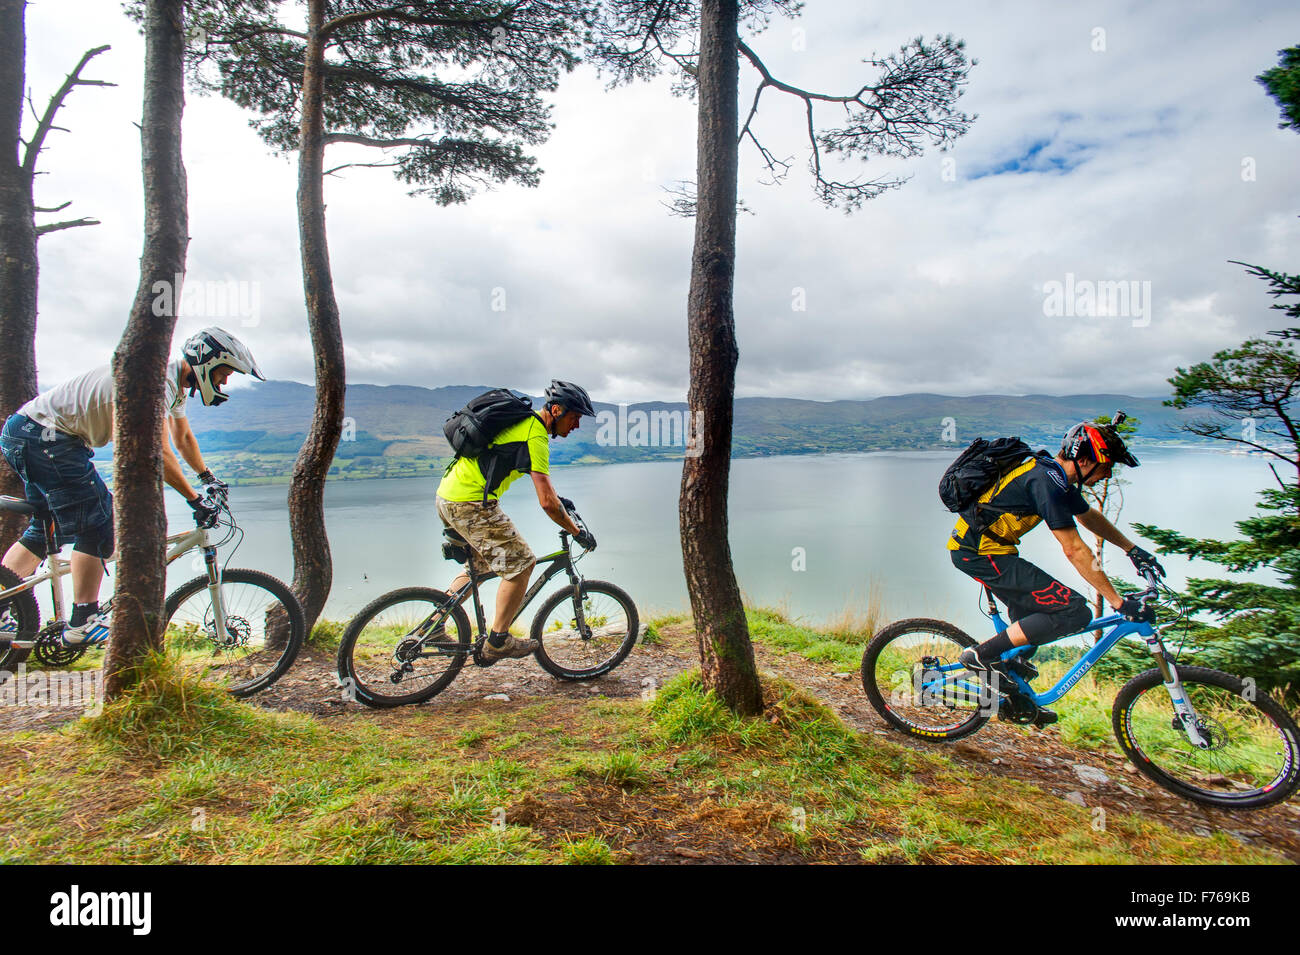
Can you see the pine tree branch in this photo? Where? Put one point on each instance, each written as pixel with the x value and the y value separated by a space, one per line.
pixel 399 14
pixel 73 79
pixel 69 224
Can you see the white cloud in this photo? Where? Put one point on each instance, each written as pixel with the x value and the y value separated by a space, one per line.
pixel 934 287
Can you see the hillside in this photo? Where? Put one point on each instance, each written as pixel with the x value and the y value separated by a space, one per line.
pixel 397 429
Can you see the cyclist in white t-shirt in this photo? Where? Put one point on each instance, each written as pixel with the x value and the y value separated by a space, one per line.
pixel 49 442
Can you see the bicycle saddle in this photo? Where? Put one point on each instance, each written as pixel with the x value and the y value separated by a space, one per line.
pixel 447 532
pixel 15 504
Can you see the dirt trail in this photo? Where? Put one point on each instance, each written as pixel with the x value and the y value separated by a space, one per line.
pixel 1036 756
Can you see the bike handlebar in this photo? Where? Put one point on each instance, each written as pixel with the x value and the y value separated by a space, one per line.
pixel 573 513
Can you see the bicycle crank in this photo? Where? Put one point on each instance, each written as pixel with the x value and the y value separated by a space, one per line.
pixel 51 651
pixel 477 655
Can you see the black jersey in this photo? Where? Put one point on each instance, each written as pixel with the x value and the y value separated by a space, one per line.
pixel 1030 493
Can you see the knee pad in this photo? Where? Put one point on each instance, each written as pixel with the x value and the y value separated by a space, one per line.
pixel 1041 628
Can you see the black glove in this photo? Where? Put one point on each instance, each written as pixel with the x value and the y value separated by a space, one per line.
pixel 208 479
pixel 1145 561
pixel 1135 610
pixel 585 539
pixel 205 515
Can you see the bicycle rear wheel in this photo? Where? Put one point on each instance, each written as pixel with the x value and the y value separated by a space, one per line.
pixel 265 629
pixel 20 618
pixel 573 650
pixel 901 675
pixel 1253 758
pixel 391 652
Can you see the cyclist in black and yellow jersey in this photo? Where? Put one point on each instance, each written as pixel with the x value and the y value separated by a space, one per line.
pixel 1045 489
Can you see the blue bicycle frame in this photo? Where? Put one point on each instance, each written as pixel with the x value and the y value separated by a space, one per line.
pixel 1121 628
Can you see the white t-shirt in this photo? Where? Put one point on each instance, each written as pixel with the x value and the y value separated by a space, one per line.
pixel 84 405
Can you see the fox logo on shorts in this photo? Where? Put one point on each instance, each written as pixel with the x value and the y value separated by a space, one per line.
pixel 1057 595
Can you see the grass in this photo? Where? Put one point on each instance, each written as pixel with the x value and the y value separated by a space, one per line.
pixel 774 628
pixel 839 792
pixel 655 625
pixel 326 635
pixel 177 773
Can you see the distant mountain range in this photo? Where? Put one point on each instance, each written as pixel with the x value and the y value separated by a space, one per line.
pixel 405 422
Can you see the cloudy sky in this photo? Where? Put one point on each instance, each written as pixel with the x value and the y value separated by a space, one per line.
pixel 1115 142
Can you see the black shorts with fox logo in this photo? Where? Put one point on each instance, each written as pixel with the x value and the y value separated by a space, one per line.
pixel 1046 609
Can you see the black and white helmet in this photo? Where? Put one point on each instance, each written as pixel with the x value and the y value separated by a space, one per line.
pixel 209 349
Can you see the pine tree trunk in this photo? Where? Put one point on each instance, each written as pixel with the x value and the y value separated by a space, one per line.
pixel 313 569
pixel 726 654
pixel 18 262
pixel 140 362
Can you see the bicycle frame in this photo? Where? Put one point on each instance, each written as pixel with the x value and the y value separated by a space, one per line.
pixel 1121 627
pixel 58 567
pixel 560 560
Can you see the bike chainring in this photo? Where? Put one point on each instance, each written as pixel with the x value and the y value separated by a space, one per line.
pixel 1014 708
pixel 51 651
pixel 477 655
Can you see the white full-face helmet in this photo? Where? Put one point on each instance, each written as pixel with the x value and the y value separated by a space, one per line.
pixel 209 349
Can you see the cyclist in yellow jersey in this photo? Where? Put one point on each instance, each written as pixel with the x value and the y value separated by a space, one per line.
pixel 1046 489
pixel 468 501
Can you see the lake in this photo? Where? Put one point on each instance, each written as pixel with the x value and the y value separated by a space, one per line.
pixel 870 526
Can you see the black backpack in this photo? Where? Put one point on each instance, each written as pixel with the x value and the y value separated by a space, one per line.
pixel 471 429
pixel 977 469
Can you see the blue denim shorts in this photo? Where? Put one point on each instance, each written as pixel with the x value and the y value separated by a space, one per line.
pixel 59 480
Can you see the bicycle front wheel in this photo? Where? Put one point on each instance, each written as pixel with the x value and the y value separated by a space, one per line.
pixel 264 629
pixel 404 647
pixel 1252 758
pixel 908 676
pixel 583 638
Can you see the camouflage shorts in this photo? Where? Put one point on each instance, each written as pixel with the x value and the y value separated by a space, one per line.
pixel 490 533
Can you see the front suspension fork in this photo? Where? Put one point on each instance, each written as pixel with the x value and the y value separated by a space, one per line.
pixel 1182 706
pixel 214 591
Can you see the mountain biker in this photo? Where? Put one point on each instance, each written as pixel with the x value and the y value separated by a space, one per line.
pixel 477 516
pixel 1047 489
pixel 48 442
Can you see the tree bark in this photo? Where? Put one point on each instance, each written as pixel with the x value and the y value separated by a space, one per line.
pixel 313 570
pixel 140 362
pixel 726 654
pixel 18 262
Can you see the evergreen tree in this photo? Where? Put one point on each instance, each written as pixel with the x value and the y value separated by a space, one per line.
pixel 1250 394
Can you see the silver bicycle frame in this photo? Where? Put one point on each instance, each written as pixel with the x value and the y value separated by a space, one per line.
pixel 177 546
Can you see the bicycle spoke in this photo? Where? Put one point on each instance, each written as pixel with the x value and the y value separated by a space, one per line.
pixel 407 648
pixel 249 646
pixel 586 636
pixel 1247 752
pixel 918 684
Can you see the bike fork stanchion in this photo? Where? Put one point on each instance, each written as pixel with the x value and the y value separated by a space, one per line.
pixel 1177 695
pixel 214 589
